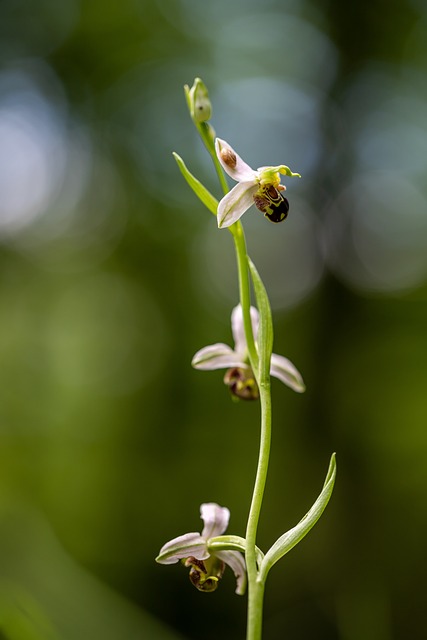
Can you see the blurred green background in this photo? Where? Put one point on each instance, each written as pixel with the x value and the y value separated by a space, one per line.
pixel 112 275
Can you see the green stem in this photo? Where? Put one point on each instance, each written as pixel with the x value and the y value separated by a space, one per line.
pixel 255 606
pixel 220 172
pixel 255 586
pixel 241 253
pixel 207 135
pixel 245 291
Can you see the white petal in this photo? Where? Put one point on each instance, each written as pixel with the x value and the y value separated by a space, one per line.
pixel 255 322
pixel 284 370
pixel 238 328
pixel 235 203
pixel 215 518
pixel 239 170
pixel 236 561
pixel 190 544
pixel 216 356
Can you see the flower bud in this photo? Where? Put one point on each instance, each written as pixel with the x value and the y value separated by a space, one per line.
pixel 199 103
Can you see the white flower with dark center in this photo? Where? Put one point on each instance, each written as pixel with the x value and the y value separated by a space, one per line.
pixel 206 568
pixel 261 187
pixel 239 374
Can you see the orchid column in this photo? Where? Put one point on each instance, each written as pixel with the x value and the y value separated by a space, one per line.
pixel 249 366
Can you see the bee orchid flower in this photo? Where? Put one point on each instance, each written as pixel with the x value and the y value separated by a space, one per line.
pixel 261 187
pixel 240 377
pixel 206 567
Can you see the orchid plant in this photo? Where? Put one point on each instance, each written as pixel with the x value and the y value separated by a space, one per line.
pixel 249 365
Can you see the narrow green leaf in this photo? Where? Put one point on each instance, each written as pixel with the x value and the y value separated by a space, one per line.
pixel 288 540
pixel 233 543
pixel 201 192
pixel 227 542
pixel 265 332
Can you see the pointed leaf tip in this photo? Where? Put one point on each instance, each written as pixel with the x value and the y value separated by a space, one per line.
pixel 291 538
pixel 200 190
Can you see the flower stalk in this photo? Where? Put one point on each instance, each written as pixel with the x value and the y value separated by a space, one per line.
pixel 256 585
pixel 250 364
pixel 244 290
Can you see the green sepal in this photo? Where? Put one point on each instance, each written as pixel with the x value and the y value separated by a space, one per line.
pixel 188 98
pixel 265 331
pixel 232 543
pixel 291 538
pixel 201 192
